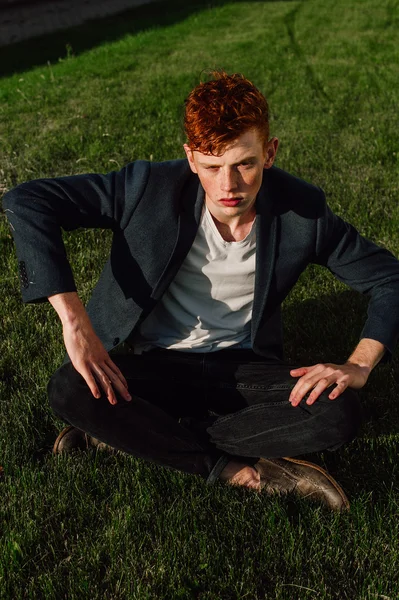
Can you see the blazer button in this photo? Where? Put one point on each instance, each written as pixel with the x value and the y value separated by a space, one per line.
pixel 116 341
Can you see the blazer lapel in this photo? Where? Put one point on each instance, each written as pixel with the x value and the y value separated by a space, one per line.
pixel 266 241
pixel 188 222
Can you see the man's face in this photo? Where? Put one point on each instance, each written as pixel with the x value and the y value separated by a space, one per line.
pixel 232 180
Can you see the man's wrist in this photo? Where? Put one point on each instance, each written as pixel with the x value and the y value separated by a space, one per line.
pixel 69 308
pixel 365 368
pixel 367 354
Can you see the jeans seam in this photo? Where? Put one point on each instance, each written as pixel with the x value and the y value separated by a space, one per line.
pixel 218 468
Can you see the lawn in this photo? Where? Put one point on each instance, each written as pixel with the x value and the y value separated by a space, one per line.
pixel 99 526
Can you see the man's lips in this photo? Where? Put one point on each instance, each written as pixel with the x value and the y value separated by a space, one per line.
pixel 230 201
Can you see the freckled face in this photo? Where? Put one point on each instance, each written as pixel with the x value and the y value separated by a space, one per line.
pixel 232 180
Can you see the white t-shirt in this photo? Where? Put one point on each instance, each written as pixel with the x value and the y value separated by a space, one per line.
pixel 208 305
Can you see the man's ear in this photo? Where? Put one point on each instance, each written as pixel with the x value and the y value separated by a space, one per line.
pixel 190 157
pixel 271 151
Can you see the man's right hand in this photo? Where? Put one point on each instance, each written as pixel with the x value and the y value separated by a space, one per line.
pixel 86 350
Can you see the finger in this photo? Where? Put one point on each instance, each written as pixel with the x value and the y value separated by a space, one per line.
pixel 117 371
pixel 322 385
pixel 105 383
pixel 117 384
pixel 299 371
pixel 337 391
pixel 306 372
pixel 298 392
pixel 317 372
pixel 308 387
pixel 91 382
pixel 305 384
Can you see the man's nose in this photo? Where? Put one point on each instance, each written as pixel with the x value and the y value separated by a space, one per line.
pixel 229 180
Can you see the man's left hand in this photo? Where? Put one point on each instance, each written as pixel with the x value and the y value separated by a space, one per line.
pixel 320 377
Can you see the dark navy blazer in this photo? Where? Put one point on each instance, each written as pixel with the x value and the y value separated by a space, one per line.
pixel 154 211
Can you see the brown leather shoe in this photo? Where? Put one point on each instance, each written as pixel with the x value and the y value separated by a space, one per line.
pixel 285 475
pixel 72 438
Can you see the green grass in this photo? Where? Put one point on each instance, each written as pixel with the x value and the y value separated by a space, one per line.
pixel 96 526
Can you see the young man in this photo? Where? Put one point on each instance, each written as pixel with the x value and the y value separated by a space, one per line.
pixel 204 252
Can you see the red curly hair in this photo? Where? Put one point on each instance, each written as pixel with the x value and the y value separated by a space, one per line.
pixel 220 110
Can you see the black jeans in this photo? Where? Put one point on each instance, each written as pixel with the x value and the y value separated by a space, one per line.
pixel 194 412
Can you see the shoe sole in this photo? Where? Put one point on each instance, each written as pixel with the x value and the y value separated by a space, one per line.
pixel 325 473
pixel 89 441
pixel 63 433
pixel 59 438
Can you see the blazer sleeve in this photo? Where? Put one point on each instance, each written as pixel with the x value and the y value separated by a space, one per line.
pixel 365 267
pixel 39 210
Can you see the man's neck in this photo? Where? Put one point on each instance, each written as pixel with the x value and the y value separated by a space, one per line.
pixel 235 229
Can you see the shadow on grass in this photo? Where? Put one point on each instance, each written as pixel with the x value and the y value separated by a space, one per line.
pixel 51 47
pixel 327 329
pixel 324 328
